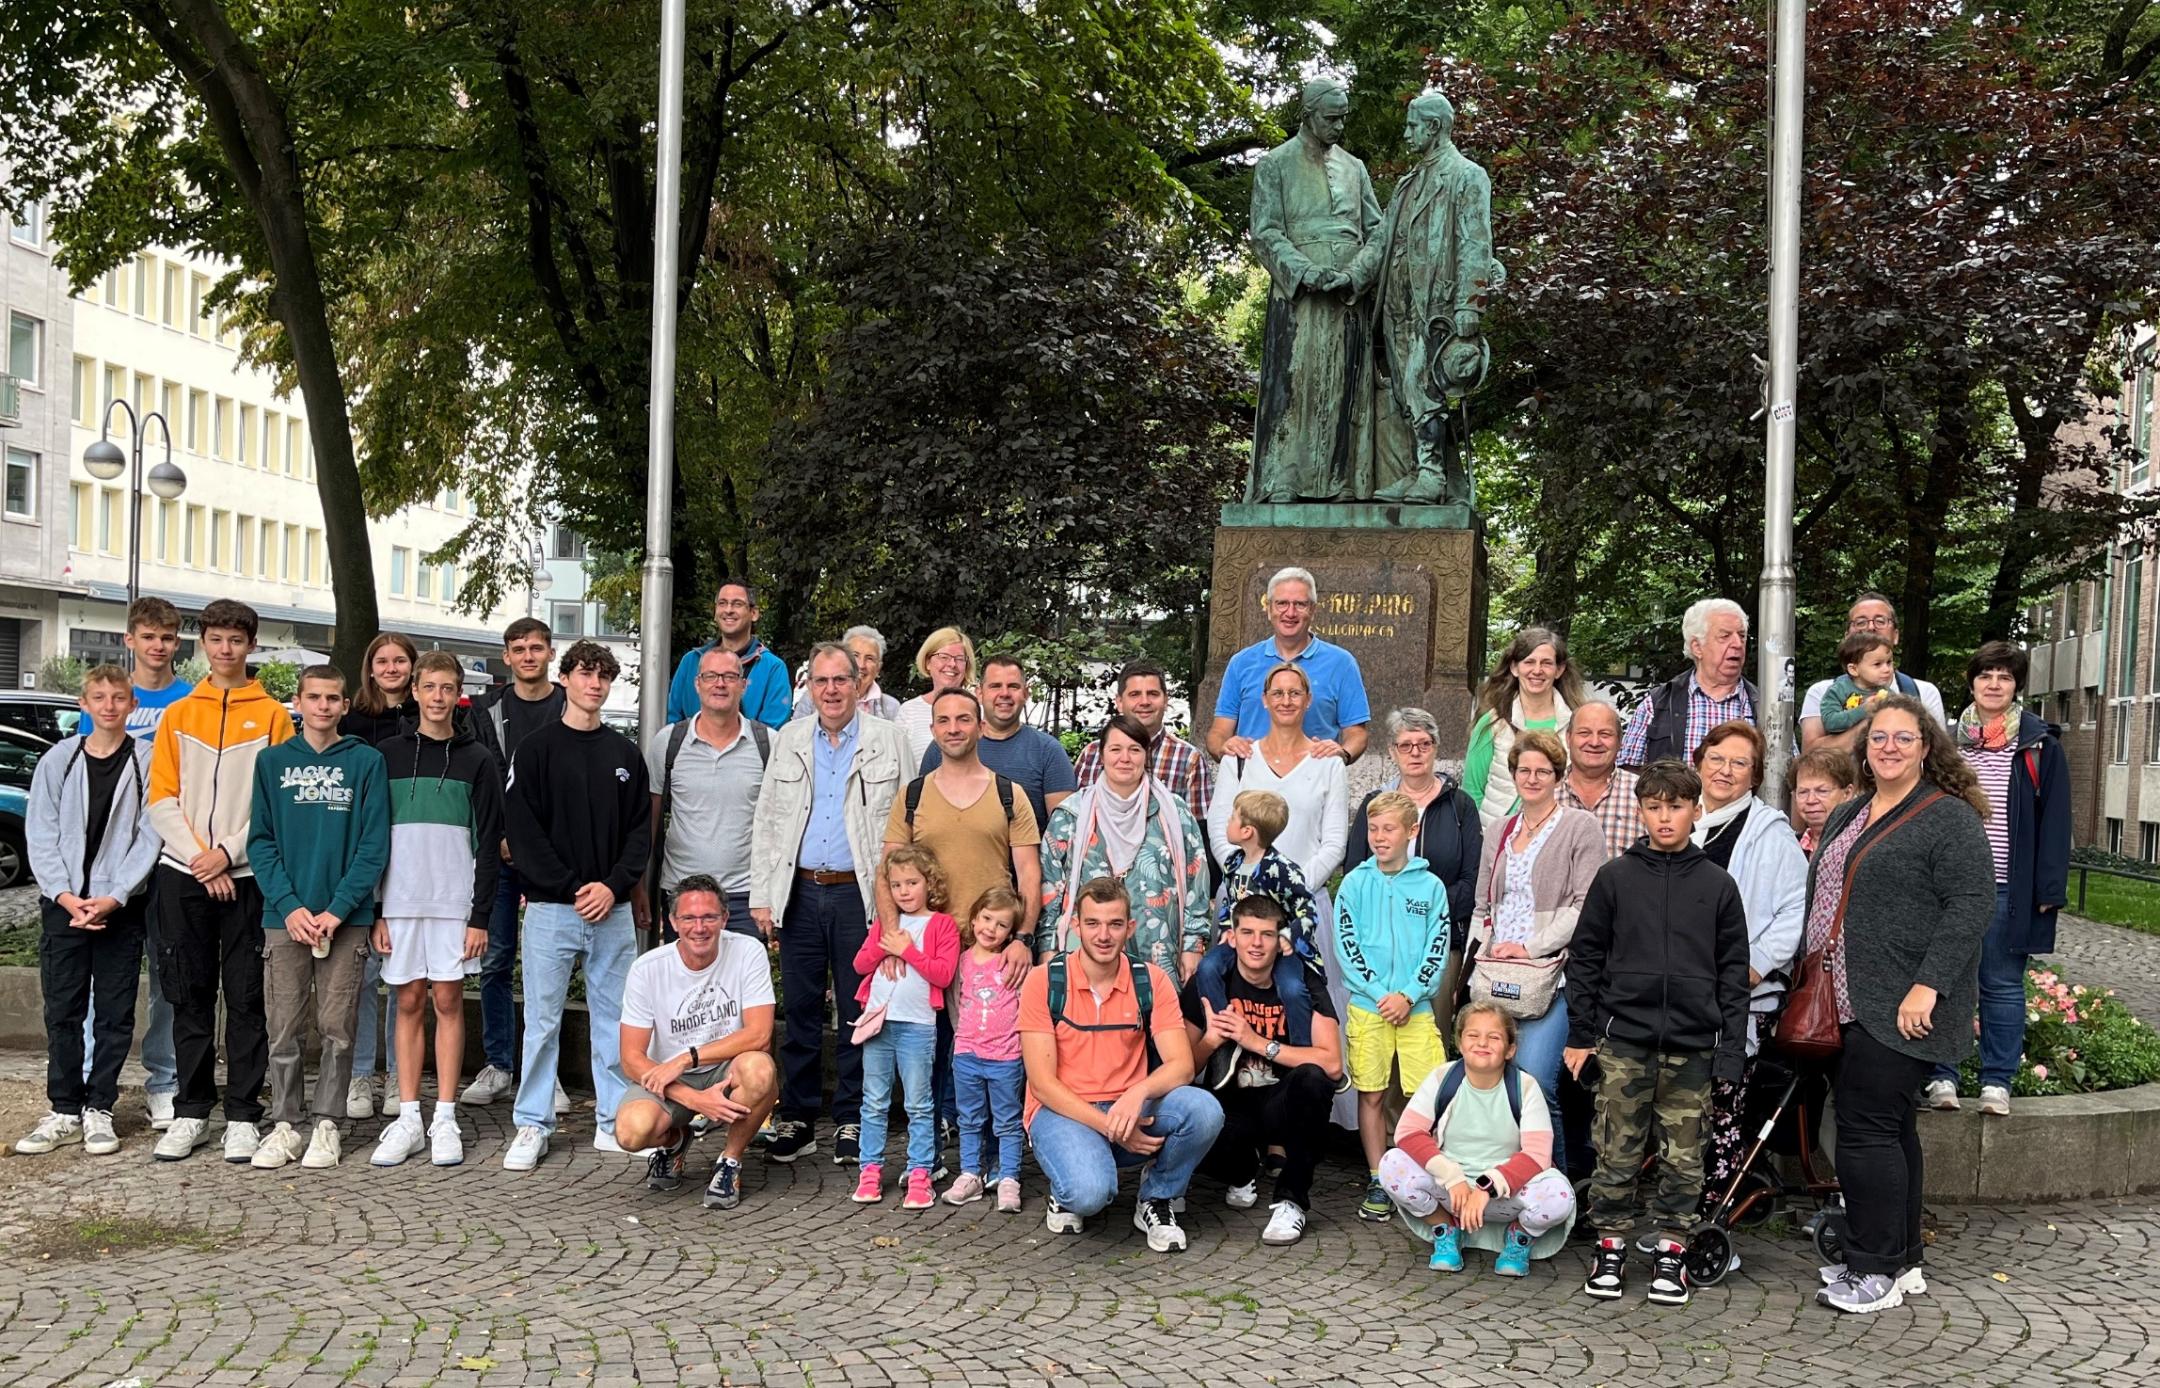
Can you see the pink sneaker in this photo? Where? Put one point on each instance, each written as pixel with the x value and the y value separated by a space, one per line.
pixel 1008 1196
pixel 966 1189
pixel 919 1195
pixel 870 1186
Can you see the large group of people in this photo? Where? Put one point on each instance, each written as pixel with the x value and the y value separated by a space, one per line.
pixel 1150 957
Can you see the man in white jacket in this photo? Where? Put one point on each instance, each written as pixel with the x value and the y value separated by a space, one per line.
pixel 829 788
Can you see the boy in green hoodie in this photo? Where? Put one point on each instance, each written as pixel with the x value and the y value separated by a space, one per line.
pixel 319 838
pixel 1391 939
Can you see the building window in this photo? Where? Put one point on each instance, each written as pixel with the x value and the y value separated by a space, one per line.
pixel 243 544
pixel 292 572
pixel 168 524
pixel 450 585
pixel 2114 836
pixel 2092 705
pixel 425 588
pixel 108 520
pixel 272 432
pixel 400 557
pixel 2149 843
pixel 198 404
pixel 27 226
pixel 26 349
pixel 566 619
pixel 265 537
pixel 175 277
pixel 2141 416
pixel 191 547
pixel 82 501
pixel 315 572
pixel 568 543
pixel 2070 608
pixel 2128 617
pixel 22 482
pixel 605 625
pixel 2123 711
pixel 143 286
pixel 221 428
pixel 220 528
pixel 247 431
pixel 292 448
pixel 145 392
pixel 79 393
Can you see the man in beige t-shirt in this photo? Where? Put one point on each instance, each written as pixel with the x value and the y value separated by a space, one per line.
pixel 980 840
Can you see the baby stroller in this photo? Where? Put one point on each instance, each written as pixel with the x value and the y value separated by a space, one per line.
pixel 1756 1191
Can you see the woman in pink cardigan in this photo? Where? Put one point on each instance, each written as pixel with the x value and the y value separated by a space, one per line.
pixel 905 966
pixel 1531 884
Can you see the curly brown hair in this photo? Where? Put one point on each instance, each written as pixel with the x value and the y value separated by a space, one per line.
pixel 1942 767
pixel 922 860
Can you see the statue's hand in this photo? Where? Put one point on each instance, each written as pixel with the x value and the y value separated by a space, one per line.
pixel 1467 323
pixel 1332 281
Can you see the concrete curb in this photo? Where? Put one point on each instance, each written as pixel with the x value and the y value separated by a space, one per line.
pixel 2068 1147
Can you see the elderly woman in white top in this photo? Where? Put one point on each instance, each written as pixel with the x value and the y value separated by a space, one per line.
pixel 1754 842
pixel 946 659
pixel 867 644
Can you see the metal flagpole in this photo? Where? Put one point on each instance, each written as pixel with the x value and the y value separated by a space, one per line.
pixel 1774 619
pixel 656 600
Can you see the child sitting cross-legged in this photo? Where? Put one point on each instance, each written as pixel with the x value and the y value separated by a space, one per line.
pixel 1472 1160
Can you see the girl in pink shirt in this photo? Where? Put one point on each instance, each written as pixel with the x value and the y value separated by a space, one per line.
pixel 988 1078
pixel 905 966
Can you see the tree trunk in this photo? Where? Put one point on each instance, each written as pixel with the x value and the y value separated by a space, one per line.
pixel 1927 514
pixel 2021 533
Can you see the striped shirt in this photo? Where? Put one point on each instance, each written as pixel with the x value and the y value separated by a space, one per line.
pixel 1994 770
pixel 1703 714
pixel 1175 762
pixel 1617 815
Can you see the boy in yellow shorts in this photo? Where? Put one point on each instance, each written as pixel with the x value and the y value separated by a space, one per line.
pixel 1391 938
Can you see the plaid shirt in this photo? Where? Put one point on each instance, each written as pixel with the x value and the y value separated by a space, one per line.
pixel 1703 714
pixel 1617 815
pixel 1175 762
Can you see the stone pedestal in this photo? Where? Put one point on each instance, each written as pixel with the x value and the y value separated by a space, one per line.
pixel 1401 587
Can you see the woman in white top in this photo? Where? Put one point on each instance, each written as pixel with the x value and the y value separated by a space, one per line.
pixel 946 659
pixel 1318 792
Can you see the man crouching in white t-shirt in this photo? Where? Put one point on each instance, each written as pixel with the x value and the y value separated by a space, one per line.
pixel 696 1035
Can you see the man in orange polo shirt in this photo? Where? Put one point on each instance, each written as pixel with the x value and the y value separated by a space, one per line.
pixel 1095 1103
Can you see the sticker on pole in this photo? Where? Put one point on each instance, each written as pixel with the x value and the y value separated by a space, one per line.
pixel 1781 412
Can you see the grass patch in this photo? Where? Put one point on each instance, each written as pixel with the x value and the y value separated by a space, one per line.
pixel 101 1235
pixel 2117 901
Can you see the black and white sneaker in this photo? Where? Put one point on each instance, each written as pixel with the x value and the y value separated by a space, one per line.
pixel 663 1169
pixel 724 1192
pixel 1158 1220
pixel 1059 1220
pixel 791 1138
pixel 1668 1274
pixel 1608 1276
pixel 847 1145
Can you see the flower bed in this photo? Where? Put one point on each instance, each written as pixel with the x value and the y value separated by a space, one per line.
pixel 2078 1040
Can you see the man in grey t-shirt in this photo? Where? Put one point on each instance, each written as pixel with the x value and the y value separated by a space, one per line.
pixel 704 803
pixel 1020 752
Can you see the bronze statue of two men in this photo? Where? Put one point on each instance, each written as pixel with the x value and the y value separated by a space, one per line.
pixel 1374 331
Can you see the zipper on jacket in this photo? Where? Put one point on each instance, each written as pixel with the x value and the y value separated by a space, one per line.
pixel 217 766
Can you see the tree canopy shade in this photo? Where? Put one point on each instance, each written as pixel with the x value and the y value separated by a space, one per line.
pixel 1976 225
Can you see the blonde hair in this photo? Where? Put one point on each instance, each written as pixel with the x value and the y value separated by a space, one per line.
pixel 925 862
pixel 1264 812
pixel 997 898
pixel 944 636
pixel 108 674
pixel 1393 802
pixel 437 662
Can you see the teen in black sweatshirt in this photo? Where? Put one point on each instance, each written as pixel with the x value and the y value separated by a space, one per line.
pixel 579 811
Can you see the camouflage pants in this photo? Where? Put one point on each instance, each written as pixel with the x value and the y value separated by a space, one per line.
pixel 1649 1103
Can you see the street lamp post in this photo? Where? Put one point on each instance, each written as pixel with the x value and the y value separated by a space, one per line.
pixel 538 578
pixel 1774 617
pixel 656 598
pixel 105 461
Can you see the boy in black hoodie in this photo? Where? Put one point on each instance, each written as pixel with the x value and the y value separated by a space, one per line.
pixel 1657 979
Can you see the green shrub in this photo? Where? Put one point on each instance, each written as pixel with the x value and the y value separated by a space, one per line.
pixel 62 674
pixel 2078 1040
pixel 279 680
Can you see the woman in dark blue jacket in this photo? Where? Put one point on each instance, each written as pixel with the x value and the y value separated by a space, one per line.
pixel 2027 781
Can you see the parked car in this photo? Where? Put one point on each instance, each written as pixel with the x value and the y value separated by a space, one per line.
pixel 47 716
pixel 19 753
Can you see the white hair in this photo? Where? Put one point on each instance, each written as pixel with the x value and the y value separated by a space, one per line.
pixel 1695 622
pixel 875 637
pixel 1293 575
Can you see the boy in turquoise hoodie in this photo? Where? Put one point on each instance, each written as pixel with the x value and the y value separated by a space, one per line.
pixel 318 839
pixel 1391 939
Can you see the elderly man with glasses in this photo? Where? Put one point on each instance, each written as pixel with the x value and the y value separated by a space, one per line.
pixel 1869 612
pixel 705 773
pixel 1337 720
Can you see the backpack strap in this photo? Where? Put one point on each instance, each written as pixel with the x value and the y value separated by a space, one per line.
pixel 1143 999
pixel 677 736
pixel 1511 1077
pixel 914 793
pixel 914 801
pixel 762 736
pixel 1451 1080
pixel 1004 794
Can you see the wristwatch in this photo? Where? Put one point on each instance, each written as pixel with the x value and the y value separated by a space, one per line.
pixel 695 1063
pixel 1274 1048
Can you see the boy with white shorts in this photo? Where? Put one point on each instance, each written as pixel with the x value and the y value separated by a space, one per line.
pixel 445 826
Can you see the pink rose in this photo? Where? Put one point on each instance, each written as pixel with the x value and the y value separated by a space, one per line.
pixel 2039 1072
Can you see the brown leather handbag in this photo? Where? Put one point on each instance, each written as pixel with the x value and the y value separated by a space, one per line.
pixel 1808 1027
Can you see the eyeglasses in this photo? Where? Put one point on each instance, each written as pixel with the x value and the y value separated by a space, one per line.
pixel 682 920
pixel 1413 744
pixel 944 658
pixel 710 677
pixel 1870 623
pixel 1717 763
pixel 1293 604
pixel 1534 773
pixel 1905 741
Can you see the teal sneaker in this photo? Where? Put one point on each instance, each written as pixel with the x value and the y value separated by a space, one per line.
pixel 1446 1249
pixel 1514 1259
pixel 1376 1206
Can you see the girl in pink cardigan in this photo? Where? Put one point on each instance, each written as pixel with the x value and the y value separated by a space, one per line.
pixel 905 967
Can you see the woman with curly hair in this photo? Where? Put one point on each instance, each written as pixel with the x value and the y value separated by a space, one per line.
pixel 1899 898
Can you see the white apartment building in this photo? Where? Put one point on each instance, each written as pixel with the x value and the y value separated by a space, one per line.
pixel 37 318
pixel 250 523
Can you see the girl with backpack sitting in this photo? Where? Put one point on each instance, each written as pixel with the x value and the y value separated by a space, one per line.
pixel 1473 1156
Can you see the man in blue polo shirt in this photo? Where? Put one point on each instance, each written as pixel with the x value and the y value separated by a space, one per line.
pixel 768 689
pixel 1338 718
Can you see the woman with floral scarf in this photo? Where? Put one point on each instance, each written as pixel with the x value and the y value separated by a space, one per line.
pixel 1130 826
pixel 2027 780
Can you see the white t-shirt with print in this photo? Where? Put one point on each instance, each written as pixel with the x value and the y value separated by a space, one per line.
pixel 688 1007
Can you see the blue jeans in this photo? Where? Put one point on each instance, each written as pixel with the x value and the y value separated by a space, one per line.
pixel 371 1030
pixel 556 939
pixel 1537 1051
pixel 498 1008
pixel 903 1051
pixel 820 932
pixel 1083 1165
pixel 990 1094
pixel 2002 1001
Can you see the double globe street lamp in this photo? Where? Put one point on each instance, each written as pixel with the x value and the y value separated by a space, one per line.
pixel 105 461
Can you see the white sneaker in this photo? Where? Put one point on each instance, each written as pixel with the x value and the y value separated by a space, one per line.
pixel 1286 1223
pixel 1940 1094
pixel 492 1083
pixel 399 1140
pixel 283 1145
pixel 98 1138
pixel 446 1144
pixel 1995 1100
pixel 392 1105
pixel 1243 1197
pixel 53 1130
pixel 1911 1282
pixel 562 1099
pixel 1059 1220
pixel 241 1140
pixel 160 1106
pixel 604 1141
pixel 181 1139
pixel 360 1098
pixel 323 1149
pixel 526 1149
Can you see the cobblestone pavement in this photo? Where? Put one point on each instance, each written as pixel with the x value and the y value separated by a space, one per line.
pixel 118 1269
pixel 2110 956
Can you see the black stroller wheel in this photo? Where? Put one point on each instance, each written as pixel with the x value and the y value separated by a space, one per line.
pixel 1709 1256
pixel 1830 1234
